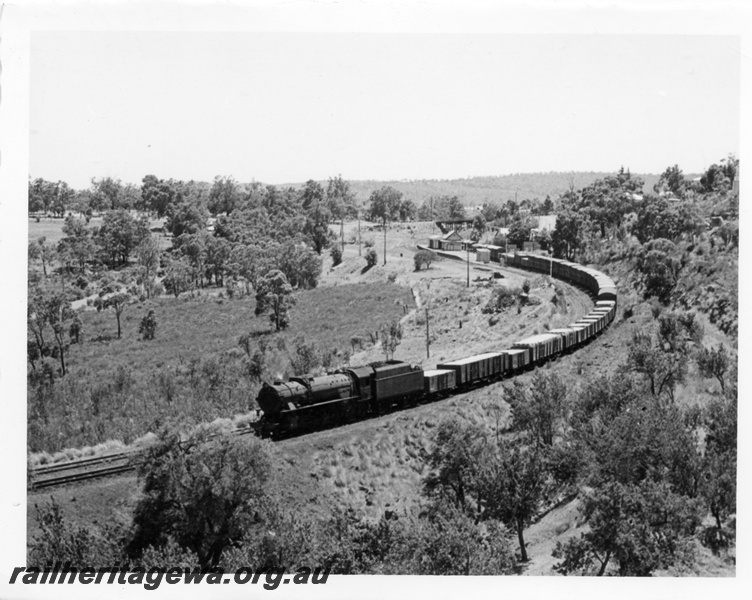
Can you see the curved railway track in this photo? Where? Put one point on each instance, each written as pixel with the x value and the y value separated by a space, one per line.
pixel 85 469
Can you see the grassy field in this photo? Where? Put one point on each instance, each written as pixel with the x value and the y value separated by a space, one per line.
pixel 194 370
pixel 51 229
pixel 209 324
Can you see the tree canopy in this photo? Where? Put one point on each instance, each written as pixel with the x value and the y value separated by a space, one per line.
pixel 385 204
pixel 274 293
pixel 201 492
pixel 120 234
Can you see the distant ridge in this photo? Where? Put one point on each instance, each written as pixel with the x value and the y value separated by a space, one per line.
pixel 474 191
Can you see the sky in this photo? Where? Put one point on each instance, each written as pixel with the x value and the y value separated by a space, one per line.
pixel 287 107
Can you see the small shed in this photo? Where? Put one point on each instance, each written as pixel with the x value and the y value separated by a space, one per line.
pixel 482 255
pixel 434 242
pixel 451 241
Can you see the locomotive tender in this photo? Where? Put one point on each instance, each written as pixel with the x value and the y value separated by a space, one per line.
pixel 306 403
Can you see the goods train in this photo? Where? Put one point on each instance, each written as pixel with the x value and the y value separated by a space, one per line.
pixel 306 403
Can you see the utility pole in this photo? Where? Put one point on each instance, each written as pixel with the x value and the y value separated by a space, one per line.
pixel 468 264
pixel 428 339
pixel 358 233
pixel 342 233
pixel 384 241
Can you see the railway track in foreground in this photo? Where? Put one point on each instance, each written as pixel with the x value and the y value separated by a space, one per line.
pixel 84 469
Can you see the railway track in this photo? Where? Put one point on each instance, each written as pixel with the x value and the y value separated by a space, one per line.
pixel 84 469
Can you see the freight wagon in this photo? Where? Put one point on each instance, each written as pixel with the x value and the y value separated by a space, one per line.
pixel 540 346
pixel 568 337
pixel 515 359
pixel 474 369
pixel 438 381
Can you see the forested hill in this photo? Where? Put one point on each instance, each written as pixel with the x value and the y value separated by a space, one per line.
pixel 474 191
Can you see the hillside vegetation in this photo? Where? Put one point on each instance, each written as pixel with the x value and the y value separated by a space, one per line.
pixel 619 459
pixel 199 366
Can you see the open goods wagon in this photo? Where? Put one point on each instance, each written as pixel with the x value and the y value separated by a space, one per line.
pixel 436 381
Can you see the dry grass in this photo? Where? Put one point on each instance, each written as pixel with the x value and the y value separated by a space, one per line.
pixel 383 465
pixel 208 324
pixel 38 459
pixel 51 229
pixel 194 370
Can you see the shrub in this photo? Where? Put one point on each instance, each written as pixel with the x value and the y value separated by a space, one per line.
pixel 659 269
pixel 336 254
pixel 423 257
pixel 371 258
pixel 76 328
pixel 714 363
pixel 60 540
pixel 212 372
pixel 501 299
pixel 391 336
pixel 305 358
pixel 148 326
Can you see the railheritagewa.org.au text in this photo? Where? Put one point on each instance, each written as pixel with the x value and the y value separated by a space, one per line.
pixel 151 579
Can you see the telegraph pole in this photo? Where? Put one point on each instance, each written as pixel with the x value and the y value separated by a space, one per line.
pixel 428 339
pixel 384 241
pixel 468 264
pixel 342 233
pixel 358 233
